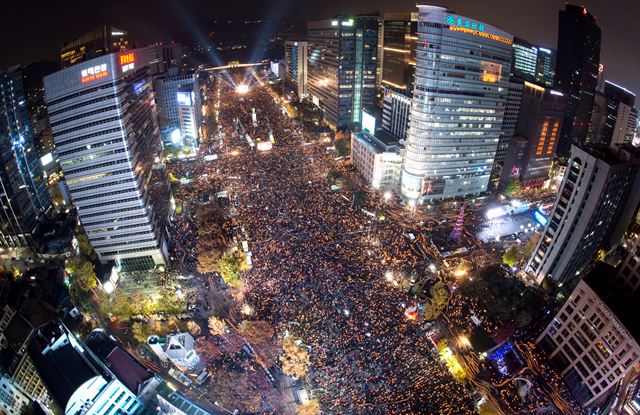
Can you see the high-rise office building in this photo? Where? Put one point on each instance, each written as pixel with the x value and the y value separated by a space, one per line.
pixel 105 130
pixel 295 65
pixel 545 66
pixel 342 67
pixel 23 195
pixel 577 64
pixel 164 56
pixel 179 109
pixel 395 113
pixel 598 119
pixel 510 119
pixel 524 60
pixel 539 122
pixel 399 53
pixel 620 119
pixel 593 340
pixel 399 50
pixel 596 201
pixel 98 42
pixel 459 97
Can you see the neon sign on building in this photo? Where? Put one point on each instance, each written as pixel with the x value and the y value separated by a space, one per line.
pixel 469 24
pixel 94 72
pixel 127 61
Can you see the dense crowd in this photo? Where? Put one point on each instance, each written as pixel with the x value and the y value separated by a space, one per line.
pixel 318 268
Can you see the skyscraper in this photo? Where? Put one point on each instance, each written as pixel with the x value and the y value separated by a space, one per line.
pixel 23 194
pixel 399 53
pixel 510 119
pixel 105 130
pixel 179 109
pixel 98 42
pixel 596 201
pixel 460 90
pixel 577 65
pixel 620 119
pixel 539 122
pixel 524 60
pixel 545 66
pixel 295 65
pixel 342 67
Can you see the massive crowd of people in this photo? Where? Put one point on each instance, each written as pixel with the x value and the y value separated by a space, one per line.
pixel 318 267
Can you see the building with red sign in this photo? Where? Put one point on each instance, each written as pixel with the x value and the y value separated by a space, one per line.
pixel 105 130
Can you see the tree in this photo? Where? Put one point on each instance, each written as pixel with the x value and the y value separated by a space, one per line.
pixel 527 251
pixel 207 349
pixel 438 302
pixel 511 256
pixel 234 391
pixel 512 187
pixel 84 244
pixel 257 332
pixel 311 407
pixel 169 302
pixel 343 147
pixel 141 332
pixel 504 298
pixel 82 274
pixel 230 265
pixel 57 198
pixel 294 359
pixel 207 261
pixel 194 328
pixel 359 198
pixel 217 326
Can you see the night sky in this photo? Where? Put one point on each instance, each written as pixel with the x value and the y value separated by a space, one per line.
pixel 34 30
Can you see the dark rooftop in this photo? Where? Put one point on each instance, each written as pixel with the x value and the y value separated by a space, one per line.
pixel 17 331
pixel 602 280
pixel 64 369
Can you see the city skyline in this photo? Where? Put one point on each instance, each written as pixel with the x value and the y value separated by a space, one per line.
pixel 533 20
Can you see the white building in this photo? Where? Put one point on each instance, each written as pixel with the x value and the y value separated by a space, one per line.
pixel 395 113
pixel 105 130
pixel 178 349
pixel 12 400
pixel 596 201
pixel 459 98
pixel 179 109
pixel 592 340
pixel 295 65
pixel 379 161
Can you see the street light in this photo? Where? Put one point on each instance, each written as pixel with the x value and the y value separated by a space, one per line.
pixel 387 195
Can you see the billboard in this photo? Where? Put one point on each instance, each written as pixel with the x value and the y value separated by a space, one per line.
pixel 368 122
pixel 184 98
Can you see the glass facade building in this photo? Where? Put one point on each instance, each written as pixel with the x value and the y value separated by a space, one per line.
pixel 576 74
pixel 545 66
pixel 459 97
pixel 295 65
pixel 179 108
pixel 104 124
pixel 524 60
pixel 342 67
pixel 100 41
pixel 23 193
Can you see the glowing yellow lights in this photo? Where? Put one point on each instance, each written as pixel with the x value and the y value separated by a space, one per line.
pixel 242 89
pixel 393 85
pixel 489 77
pixel 481 34
pixel 388 49
pixel 235 152
pixel 534 86
pixel 463 341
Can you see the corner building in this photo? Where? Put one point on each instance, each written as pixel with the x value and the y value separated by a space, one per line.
pixel 105 130
pixel 460 90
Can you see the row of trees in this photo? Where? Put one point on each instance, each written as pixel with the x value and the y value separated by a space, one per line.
pixel 438 301
pixel 123 305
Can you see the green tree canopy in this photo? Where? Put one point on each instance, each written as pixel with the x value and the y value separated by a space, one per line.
pixel 230 265
pixel 512 187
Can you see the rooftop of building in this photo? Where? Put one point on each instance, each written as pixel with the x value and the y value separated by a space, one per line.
pixel 602 280
pixel 17 331
pixel 380 142
pixel 63 368
pixel 625 153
